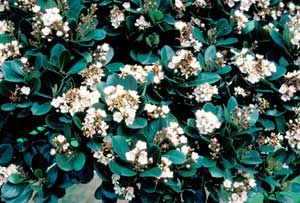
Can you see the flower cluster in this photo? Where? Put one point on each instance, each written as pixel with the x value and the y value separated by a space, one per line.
pixel 290 86
pixel 186 36
pixel 76 100
pixel 154 111
pixel 105 154
pixel 206 122
pixel 293 134
pixel 124 103
pixel 205 92
pixel 239 189
pixel 185 63
pixel 137 71
pixel 61 145
pixel 49 23
pixel 117 17
pixel 93 123
pixel 126 192
pixel 5 172
pixel 215 148
pixel 139 155
pixel 9 50
pixel 241 116
pixel 94 73
pixel 254 66
pixel 20 94
pixel 157 71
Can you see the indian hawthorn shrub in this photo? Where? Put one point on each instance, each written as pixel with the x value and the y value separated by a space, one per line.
pixel 164 100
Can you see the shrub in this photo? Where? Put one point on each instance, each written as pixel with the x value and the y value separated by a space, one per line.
pixel 167 101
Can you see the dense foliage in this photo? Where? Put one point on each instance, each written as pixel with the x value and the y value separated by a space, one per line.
pixel 165 100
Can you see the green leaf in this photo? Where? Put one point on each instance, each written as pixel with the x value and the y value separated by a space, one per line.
pixel 166 54
pixel 250 26
pixel 198 35
pixel 216 172
pixel 13 72
pixel 120 146
pixel 204 77
pixel 210 54
pixel 152 172
pixel 251 157
pixel 8 107
pixel 6 151
pixel 231 104
pixel 16 178
pixel 228 41
pixel 40 109
pixel 97 34
pixel 119 169
pixel 77 67
pixel 69 163
pixel 277 38
pixel 257 198
pixel 138 123
pixel 114 67
pixel 223 27
pixel 175 156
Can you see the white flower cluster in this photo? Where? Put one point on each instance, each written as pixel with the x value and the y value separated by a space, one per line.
pixel 4 5
pixel 157 71
pixel 173 133
pixel 93 123
pixel 137 71
pixel 239 91
pixel 239 189
pixel 200 3
pixel 61 145
pixel 51 22
pixel 294 28
pixel 275 140
pixel 154 111
pixel 76 100
pixel 20 94
pixel 126 192
pixel 206 122
pixel 141 23
pixel 25 90
pixel 3 27
pixel 166 171
pixel 105 154
pixel 8 50
pixel 290 86
pixel 185 63
pixel 117 17
pixel 204 92
pixel 94 73
pixel 293 133
pixel 123 102
pixel 255 66
pixel 246 4
pixel 186 36
pixel 5 172
pixel 241 20
pixel 179 5
pixel 138 155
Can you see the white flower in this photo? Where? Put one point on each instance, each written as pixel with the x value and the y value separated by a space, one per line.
pixel 129 194
pixel 25 90
pixel 51 16
pixel 61 138
pixel 59 33
pixel 141 23
pixel 130 156
pixel 143 158
pixel 3 27
pixel 252 182
pixel 227 183
pixel 36 8
pixel 140 145
pixel 204 92
pixel 240 91
pixel 46 31
pixel 117 17
pixel 126 5
pixel 194 156
pixel 206 122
